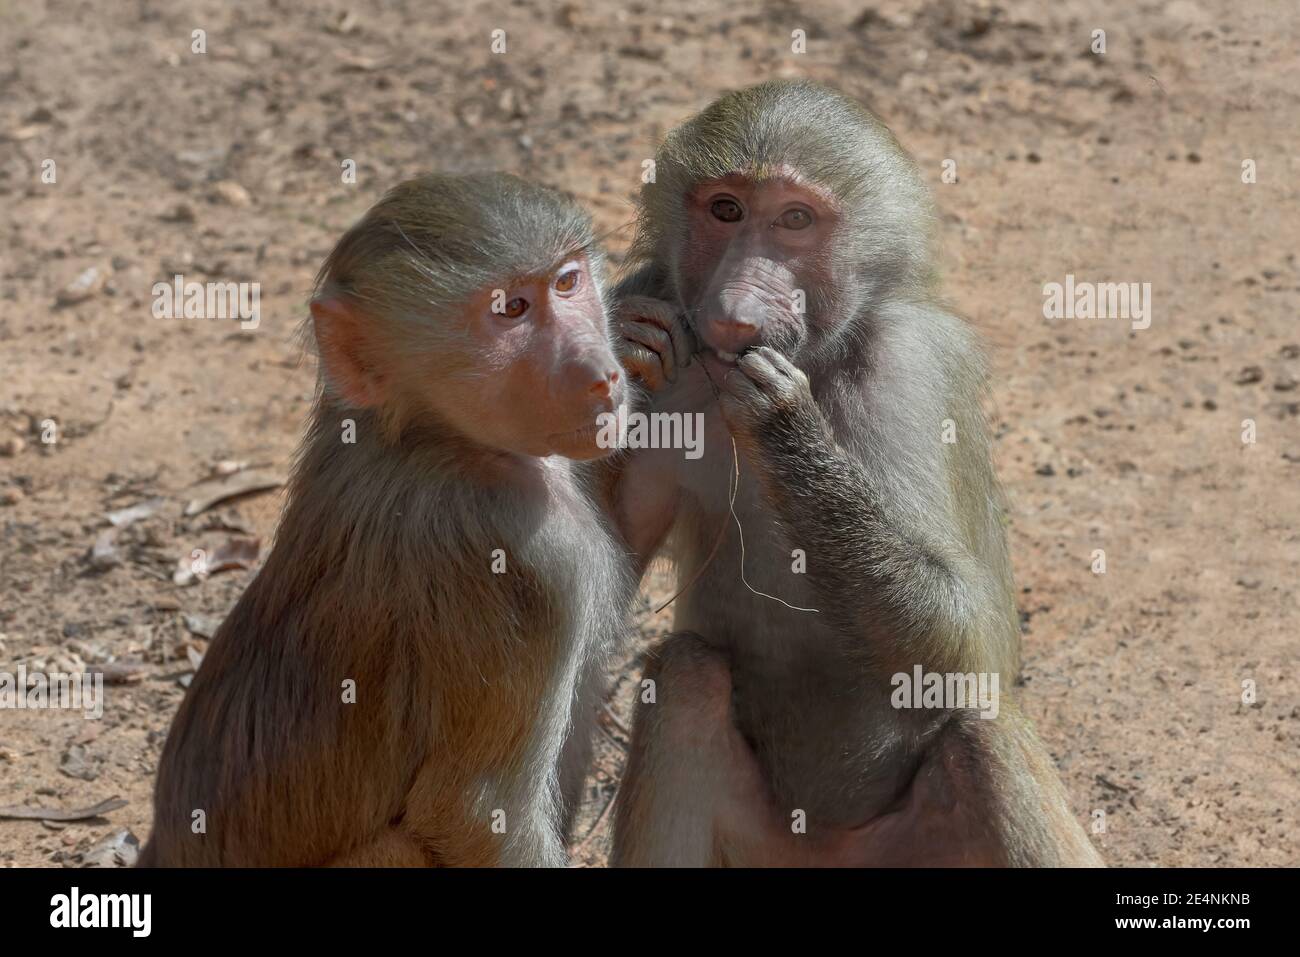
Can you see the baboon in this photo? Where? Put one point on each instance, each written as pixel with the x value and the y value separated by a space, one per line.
pixel 396 684
pixel 782 284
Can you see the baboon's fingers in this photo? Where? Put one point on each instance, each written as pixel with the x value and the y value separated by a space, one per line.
pixel 666 316
pixel 655 339
pixel 684 343
pixel 783 365
pixel 643 364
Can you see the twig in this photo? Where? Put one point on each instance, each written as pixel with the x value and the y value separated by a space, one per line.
pixel 24 813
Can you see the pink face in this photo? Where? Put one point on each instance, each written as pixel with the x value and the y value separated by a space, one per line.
pixel 752 251
pixel 545 370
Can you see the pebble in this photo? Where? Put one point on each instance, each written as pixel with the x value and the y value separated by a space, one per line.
pixel 231 193
pixel 81 288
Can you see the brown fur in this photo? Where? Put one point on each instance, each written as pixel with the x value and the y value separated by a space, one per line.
pixel 381 574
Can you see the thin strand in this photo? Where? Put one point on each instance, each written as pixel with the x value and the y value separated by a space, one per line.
pixel 735 487
pixel 699 571
pixel 735 461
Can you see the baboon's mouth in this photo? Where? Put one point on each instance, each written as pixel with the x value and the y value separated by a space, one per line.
pixel 718 363
pixel 580 434
pixel 581 444
pixel 722 355
pixel 720 358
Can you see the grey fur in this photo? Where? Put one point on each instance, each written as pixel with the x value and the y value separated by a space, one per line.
pixel 906 550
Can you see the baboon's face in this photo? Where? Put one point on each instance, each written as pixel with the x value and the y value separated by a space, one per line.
pixel 545 370
pixel 755 251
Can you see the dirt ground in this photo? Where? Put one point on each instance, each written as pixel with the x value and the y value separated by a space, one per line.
pixel 1125 166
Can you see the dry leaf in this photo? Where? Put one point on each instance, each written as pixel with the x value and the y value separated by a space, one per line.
pixel 119 849
pixel 205 626
pixel 200 563
pixel 122 672
pixel 208 494
pixel 125 516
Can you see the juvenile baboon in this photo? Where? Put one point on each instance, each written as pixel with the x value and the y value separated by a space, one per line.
pixel 395 685
pixel 785 243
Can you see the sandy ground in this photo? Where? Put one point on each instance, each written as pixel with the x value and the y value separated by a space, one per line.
pixel 1124 167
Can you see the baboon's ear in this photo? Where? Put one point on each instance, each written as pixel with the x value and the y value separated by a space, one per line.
pixel 343 338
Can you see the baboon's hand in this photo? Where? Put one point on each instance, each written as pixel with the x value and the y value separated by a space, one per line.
pixel 767 398
pixel 653 340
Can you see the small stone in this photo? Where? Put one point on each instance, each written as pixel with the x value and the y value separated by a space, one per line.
pixel 12 447
pixel 180 213
pixel 232 194
pixel 81 288
pixel 343 23
pixel 104 554
pixel 76 764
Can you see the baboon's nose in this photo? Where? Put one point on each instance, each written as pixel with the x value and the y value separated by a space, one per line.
pixel 604 383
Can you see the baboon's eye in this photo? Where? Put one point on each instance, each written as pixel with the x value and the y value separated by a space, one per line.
pixel 727 209
pixel 568 281
pixel 797 218
pixel 515 308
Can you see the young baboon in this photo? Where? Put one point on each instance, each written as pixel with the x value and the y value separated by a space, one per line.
pixel 395 685
pixel 785 243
